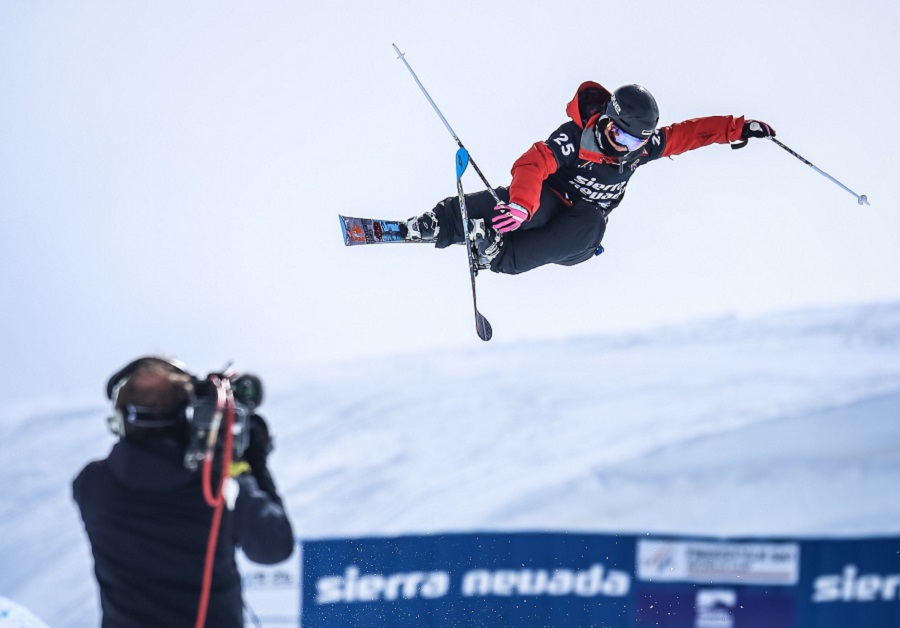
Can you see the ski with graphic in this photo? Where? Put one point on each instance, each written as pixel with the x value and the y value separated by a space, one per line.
pixel 373 231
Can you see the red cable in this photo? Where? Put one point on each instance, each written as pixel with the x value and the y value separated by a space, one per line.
pixel 217 502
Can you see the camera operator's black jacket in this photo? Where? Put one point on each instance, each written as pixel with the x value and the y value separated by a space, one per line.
pixel 148 526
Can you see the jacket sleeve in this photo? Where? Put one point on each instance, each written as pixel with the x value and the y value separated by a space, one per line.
pixel 261 525
pixel 690 134
pixel 528 175
pixel 539 162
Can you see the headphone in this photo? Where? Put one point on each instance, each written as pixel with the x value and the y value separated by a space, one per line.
pixel 140 416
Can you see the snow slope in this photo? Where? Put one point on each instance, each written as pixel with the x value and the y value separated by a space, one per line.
pixel 785 425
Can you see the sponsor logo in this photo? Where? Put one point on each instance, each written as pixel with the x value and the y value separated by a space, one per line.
pixel 593 190
pixel 851 586
pixel 718 563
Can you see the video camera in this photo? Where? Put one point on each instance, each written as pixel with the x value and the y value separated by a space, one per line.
pixel 199 416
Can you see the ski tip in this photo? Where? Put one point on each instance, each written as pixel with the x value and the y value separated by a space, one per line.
pixel 344 231
pixel 483 328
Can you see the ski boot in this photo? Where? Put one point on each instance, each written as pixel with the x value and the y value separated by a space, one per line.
pixel 424 228
pixel 485 243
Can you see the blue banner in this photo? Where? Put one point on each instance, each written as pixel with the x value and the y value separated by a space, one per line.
pixel 561 579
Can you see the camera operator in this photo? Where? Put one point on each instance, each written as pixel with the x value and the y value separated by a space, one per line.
pixel 146 517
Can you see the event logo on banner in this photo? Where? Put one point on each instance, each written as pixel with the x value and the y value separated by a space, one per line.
pixel 355 586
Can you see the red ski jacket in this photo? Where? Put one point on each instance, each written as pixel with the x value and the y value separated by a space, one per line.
pixel 573 164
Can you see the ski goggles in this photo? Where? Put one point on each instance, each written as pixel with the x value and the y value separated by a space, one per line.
pixel 624 139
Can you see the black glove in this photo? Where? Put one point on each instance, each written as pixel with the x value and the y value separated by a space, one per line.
pixel 755 128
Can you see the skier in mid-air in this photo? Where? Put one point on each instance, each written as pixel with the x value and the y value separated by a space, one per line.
pixel 562 191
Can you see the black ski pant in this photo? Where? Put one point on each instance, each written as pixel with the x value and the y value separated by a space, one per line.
pixel 557 233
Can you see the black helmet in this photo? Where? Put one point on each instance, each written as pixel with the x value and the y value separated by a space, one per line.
pixel 633 109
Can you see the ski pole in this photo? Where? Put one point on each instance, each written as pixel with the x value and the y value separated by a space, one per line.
pixel 862 200
pixel 402 57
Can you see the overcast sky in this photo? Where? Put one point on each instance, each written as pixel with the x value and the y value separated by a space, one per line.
pixel 171 173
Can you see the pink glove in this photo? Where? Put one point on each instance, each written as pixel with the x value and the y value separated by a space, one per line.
pixel 511 219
